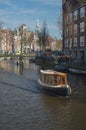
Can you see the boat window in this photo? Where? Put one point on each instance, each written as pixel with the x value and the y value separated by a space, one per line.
pixel 53 79
pixel 49 79
pixel 60 80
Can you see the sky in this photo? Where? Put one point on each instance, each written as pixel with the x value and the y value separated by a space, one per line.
pixel 14 13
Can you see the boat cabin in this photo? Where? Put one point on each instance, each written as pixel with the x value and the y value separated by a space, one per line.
pixel 53 78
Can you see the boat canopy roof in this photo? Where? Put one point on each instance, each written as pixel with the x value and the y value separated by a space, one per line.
pixel 51 72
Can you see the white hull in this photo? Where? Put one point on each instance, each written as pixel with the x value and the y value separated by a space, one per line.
pixel 57 90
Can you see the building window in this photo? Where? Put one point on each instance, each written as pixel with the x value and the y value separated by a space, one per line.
pixel 75 54
pixel 82 27
pixel 63 1
pixel 70 30
pixel 70 43
pixel 82 40
pixel 82 12
pixel 67 30
pixel 66 43
pixel 75 42
pixel 67 19
pixel 70 17
pixel 65 33
pixel 75 28
pixel 75 14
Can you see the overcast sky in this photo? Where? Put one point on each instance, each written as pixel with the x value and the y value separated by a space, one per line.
pixel 13 13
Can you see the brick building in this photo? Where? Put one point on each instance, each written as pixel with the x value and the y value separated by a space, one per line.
pixel 5 44
pixel 74 29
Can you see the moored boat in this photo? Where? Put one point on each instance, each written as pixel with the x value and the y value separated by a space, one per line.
pixel 61 68
pixel 77 71
pixel 54 82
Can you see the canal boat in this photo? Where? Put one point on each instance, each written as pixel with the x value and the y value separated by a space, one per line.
pixel 61 68
pixel 77 71
pixel 54 82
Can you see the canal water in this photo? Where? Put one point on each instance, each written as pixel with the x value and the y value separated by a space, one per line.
pixel 24 107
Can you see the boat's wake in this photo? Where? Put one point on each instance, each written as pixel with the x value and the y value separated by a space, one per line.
pixel 33 86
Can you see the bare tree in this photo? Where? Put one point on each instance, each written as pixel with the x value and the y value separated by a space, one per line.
pixel 44 36
pixel 65 20
pixel 60 23
pixel 23 36
pixel 82 2
pixel 11 40
pixel 30 38
pixel 1 23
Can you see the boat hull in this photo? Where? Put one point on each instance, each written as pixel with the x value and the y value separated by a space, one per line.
pixel 55 90
pixel 76 71
pixel 60 68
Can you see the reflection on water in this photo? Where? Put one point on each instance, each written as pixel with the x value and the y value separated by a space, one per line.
pixel 31 71
pixel 27 70
pixel 78 84
pixel 21 109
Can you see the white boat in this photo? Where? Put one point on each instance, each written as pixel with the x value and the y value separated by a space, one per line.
pixel 54 82
pixel 77 71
